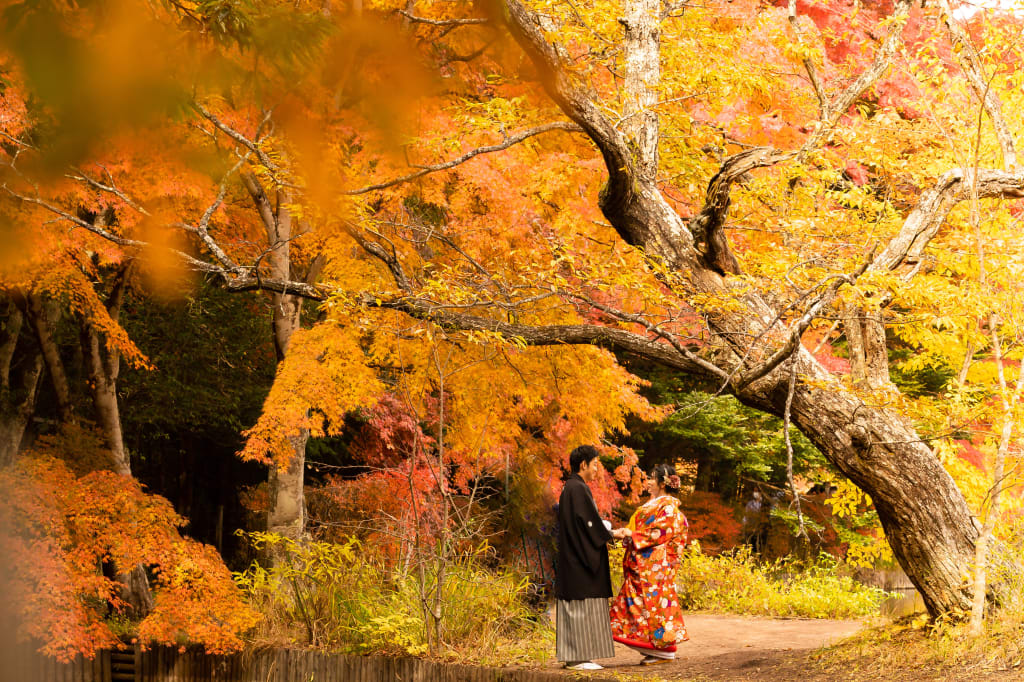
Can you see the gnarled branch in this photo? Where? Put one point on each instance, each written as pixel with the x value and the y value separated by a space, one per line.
pixel 708 225
pixel 442 22
pixel 924 221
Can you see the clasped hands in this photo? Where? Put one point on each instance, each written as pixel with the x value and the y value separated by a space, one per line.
pixel 621 533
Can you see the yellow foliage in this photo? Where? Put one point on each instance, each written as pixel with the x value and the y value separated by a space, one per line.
pixel 323 377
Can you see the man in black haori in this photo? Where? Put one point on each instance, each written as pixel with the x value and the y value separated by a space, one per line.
pixel 583 582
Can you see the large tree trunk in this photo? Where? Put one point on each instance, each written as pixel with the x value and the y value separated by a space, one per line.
pixel 108 412
pixel 287 514
pixel 13 424
pixel 44 314
pixel 926 520
pixel 925 517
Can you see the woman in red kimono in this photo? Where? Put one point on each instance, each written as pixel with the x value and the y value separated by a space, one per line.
pixel 645 615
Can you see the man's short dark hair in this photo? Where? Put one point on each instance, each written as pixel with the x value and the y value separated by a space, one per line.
pixel 581 454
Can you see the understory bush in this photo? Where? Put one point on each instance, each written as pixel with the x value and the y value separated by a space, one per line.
pixel 736 582
pixel 341 597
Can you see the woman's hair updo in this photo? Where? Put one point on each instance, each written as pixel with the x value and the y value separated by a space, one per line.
pixel 666 475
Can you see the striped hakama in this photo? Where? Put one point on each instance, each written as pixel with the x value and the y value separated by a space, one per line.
pixel 583 630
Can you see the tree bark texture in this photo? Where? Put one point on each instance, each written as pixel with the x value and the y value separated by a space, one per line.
pixel 44 314
pixel 287 514
pixel 869 357
pixel 923 513
pixel 643 72
pixel 103 366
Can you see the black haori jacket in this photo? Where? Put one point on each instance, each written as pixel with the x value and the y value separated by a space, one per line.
pixel 582 571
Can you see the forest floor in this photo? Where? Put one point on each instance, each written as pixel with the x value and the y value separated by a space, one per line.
pixel 725 647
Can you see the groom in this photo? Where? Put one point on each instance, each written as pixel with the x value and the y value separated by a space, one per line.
pixel 582 579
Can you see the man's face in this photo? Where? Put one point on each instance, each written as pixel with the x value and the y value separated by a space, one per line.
pixel 589 470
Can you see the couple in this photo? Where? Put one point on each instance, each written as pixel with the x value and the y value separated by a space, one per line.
pixel 645 616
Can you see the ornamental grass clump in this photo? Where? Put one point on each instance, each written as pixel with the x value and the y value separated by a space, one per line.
pixel 736 582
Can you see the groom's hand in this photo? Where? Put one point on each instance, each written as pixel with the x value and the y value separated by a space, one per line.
pixel 620 533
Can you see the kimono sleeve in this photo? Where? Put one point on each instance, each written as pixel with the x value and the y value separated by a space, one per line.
pixel 657 527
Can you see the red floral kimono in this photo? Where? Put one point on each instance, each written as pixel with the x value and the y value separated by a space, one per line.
pixel 646 614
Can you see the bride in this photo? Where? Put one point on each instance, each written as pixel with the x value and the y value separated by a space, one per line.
pixel 645 615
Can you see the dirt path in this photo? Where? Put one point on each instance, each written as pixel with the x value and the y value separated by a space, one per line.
pixel 735 648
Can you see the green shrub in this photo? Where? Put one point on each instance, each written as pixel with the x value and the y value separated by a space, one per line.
pixel 737 583
pixel 340 597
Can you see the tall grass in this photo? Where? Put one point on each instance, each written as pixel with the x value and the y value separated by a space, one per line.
pixel 735 582
pixel 340 597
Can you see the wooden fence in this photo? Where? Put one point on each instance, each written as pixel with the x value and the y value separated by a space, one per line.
pixel 273 665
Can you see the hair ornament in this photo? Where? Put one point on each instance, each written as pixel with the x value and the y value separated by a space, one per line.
pixel 673 481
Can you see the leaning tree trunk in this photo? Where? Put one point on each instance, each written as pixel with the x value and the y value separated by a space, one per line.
pixel 103 366
pixel 925 517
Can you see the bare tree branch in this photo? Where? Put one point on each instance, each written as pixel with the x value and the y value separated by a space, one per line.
pixel 867 78
pixel 970 61
pixel 924 221
pixel 252 145
pixel 110 189
pixel 708 226
pixel 305 290
pixel 812 72
pixel 442 22
pixel 71 218
pixel 390 259
pixel 509 141
pixel 797 330
pixel 549 335
pixel 658 332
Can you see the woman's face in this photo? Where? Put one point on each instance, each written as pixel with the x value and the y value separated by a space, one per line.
pixel 650 484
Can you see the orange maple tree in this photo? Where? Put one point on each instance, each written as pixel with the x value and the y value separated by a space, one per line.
pixel 700 186
pixel 59 526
